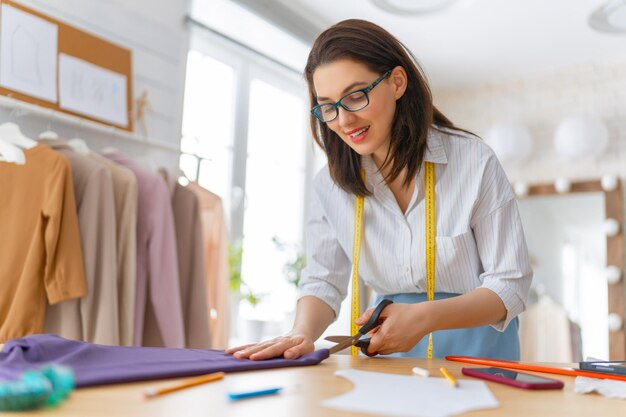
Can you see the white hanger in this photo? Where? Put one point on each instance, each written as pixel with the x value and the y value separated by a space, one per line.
pixel 147 163
pixel 79 146
pixel 11 153
pixel 181 177
pixel 10 132
pixel 48 134
pixel 109 149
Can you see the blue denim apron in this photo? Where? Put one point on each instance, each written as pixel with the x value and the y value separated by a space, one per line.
pixel 483 342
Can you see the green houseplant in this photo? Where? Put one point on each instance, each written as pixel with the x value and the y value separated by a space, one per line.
pixel 292 269
pixel 238 286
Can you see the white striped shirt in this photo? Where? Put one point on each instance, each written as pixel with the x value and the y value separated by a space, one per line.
pixel 480 241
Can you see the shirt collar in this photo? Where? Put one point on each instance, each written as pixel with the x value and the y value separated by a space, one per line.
pixel 435 152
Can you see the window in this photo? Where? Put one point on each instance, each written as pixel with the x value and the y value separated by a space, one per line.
pixel 245 139
pixel 208 117
pixel 275 177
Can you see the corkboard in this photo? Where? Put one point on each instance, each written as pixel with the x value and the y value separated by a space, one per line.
pixel 90 48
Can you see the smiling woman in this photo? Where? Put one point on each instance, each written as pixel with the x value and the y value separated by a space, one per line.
pixel 395 165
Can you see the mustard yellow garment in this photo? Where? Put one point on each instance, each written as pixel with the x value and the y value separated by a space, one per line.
pixel 40 253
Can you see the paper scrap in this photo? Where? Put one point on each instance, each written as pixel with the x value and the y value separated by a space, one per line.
pixel 607 387
pixel 400 395
pixel 28 54
pixel 92 90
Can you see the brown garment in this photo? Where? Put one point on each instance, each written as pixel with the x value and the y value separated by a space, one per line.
pixel 97 318
pixel 40 253
pixel 190 249
pixel 216 264
pixel 125 196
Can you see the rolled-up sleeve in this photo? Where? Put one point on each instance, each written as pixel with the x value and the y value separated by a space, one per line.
pixel 504 256
pixel 327 272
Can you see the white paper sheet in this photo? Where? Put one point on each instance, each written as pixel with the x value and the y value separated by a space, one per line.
pixel 91 90
pixel 607 387
pixel 28 54
pixel 399 395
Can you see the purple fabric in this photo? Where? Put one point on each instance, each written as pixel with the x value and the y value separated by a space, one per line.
pixel 102 365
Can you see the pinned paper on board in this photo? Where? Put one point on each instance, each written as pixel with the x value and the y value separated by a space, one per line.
pixel 92 90
pixel 28 54
pixel 410 396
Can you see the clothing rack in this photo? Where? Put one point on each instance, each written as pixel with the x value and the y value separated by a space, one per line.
pixel 11 103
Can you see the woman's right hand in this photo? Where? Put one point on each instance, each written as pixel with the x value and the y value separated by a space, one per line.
pixel 291 346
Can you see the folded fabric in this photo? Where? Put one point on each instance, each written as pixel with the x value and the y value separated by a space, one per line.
pixel 102 365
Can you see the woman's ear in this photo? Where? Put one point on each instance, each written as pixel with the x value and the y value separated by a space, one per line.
pixel 399 81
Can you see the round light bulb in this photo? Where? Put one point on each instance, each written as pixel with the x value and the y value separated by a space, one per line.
pixel 411 7
pixel 611 227
pixel 615 322
pixel 521 188
pixel 562 185
pixel 613 274
pixel 609 182
pixel 511 142
pixel 581 137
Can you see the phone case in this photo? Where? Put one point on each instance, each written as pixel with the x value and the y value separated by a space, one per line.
pixel 548 384
pixel 605 367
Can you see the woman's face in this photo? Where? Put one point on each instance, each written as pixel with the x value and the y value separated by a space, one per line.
pixel 367 131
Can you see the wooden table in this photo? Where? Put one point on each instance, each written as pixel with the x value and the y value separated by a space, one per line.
pixel 306 387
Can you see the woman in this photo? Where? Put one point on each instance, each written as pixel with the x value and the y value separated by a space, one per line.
pixel 372 114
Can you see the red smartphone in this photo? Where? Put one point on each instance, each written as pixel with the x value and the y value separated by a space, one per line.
pixel 513 378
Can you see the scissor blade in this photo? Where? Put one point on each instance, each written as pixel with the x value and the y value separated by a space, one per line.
pixel 337 339
pixel 345 344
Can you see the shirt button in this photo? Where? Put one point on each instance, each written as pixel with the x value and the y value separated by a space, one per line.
pixel 407 269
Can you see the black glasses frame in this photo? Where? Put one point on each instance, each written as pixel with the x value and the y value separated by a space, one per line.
pixel 318 111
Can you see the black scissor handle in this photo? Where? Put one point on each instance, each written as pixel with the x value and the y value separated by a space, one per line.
pixel 364 344
pixel 373 322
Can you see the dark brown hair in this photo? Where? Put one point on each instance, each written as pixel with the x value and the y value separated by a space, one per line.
pixel 371 45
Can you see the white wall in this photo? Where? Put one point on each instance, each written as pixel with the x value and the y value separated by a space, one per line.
pixel 155 32
pixel 595 89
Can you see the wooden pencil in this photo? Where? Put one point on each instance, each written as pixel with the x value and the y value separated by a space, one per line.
pixel 449 377
pixel 152 392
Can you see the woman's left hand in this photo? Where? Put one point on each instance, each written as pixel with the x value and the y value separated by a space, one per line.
pixel 403 326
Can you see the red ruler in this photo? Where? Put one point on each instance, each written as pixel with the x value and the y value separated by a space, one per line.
pixel 535 368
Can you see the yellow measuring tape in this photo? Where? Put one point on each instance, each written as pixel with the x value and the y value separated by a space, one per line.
pixel 431 232
pixel 356 251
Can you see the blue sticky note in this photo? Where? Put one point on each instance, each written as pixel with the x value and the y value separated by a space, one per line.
pixel 251 394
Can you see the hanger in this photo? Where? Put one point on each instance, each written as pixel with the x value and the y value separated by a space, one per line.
pixel 147 163
pixel 48 134
pixel 11 153
pixel 182 177
pixel 79 146
pixel 109 149
pixel 10 132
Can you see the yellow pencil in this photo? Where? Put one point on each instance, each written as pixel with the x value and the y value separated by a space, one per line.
pixel 449 377
pixel 151 393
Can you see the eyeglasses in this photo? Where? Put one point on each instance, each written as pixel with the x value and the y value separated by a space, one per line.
pixel 352 102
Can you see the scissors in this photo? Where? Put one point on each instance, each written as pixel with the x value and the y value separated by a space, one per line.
pixel 347 341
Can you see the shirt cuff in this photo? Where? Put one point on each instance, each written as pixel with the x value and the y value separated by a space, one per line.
pixel 57 292
pixel 512 302
pixel 324 292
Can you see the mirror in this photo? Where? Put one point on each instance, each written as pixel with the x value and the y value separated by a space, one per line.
pixel 573 311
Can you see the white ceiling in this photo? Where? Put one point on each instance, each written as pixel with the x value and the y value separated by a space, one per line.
pixel 484 41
